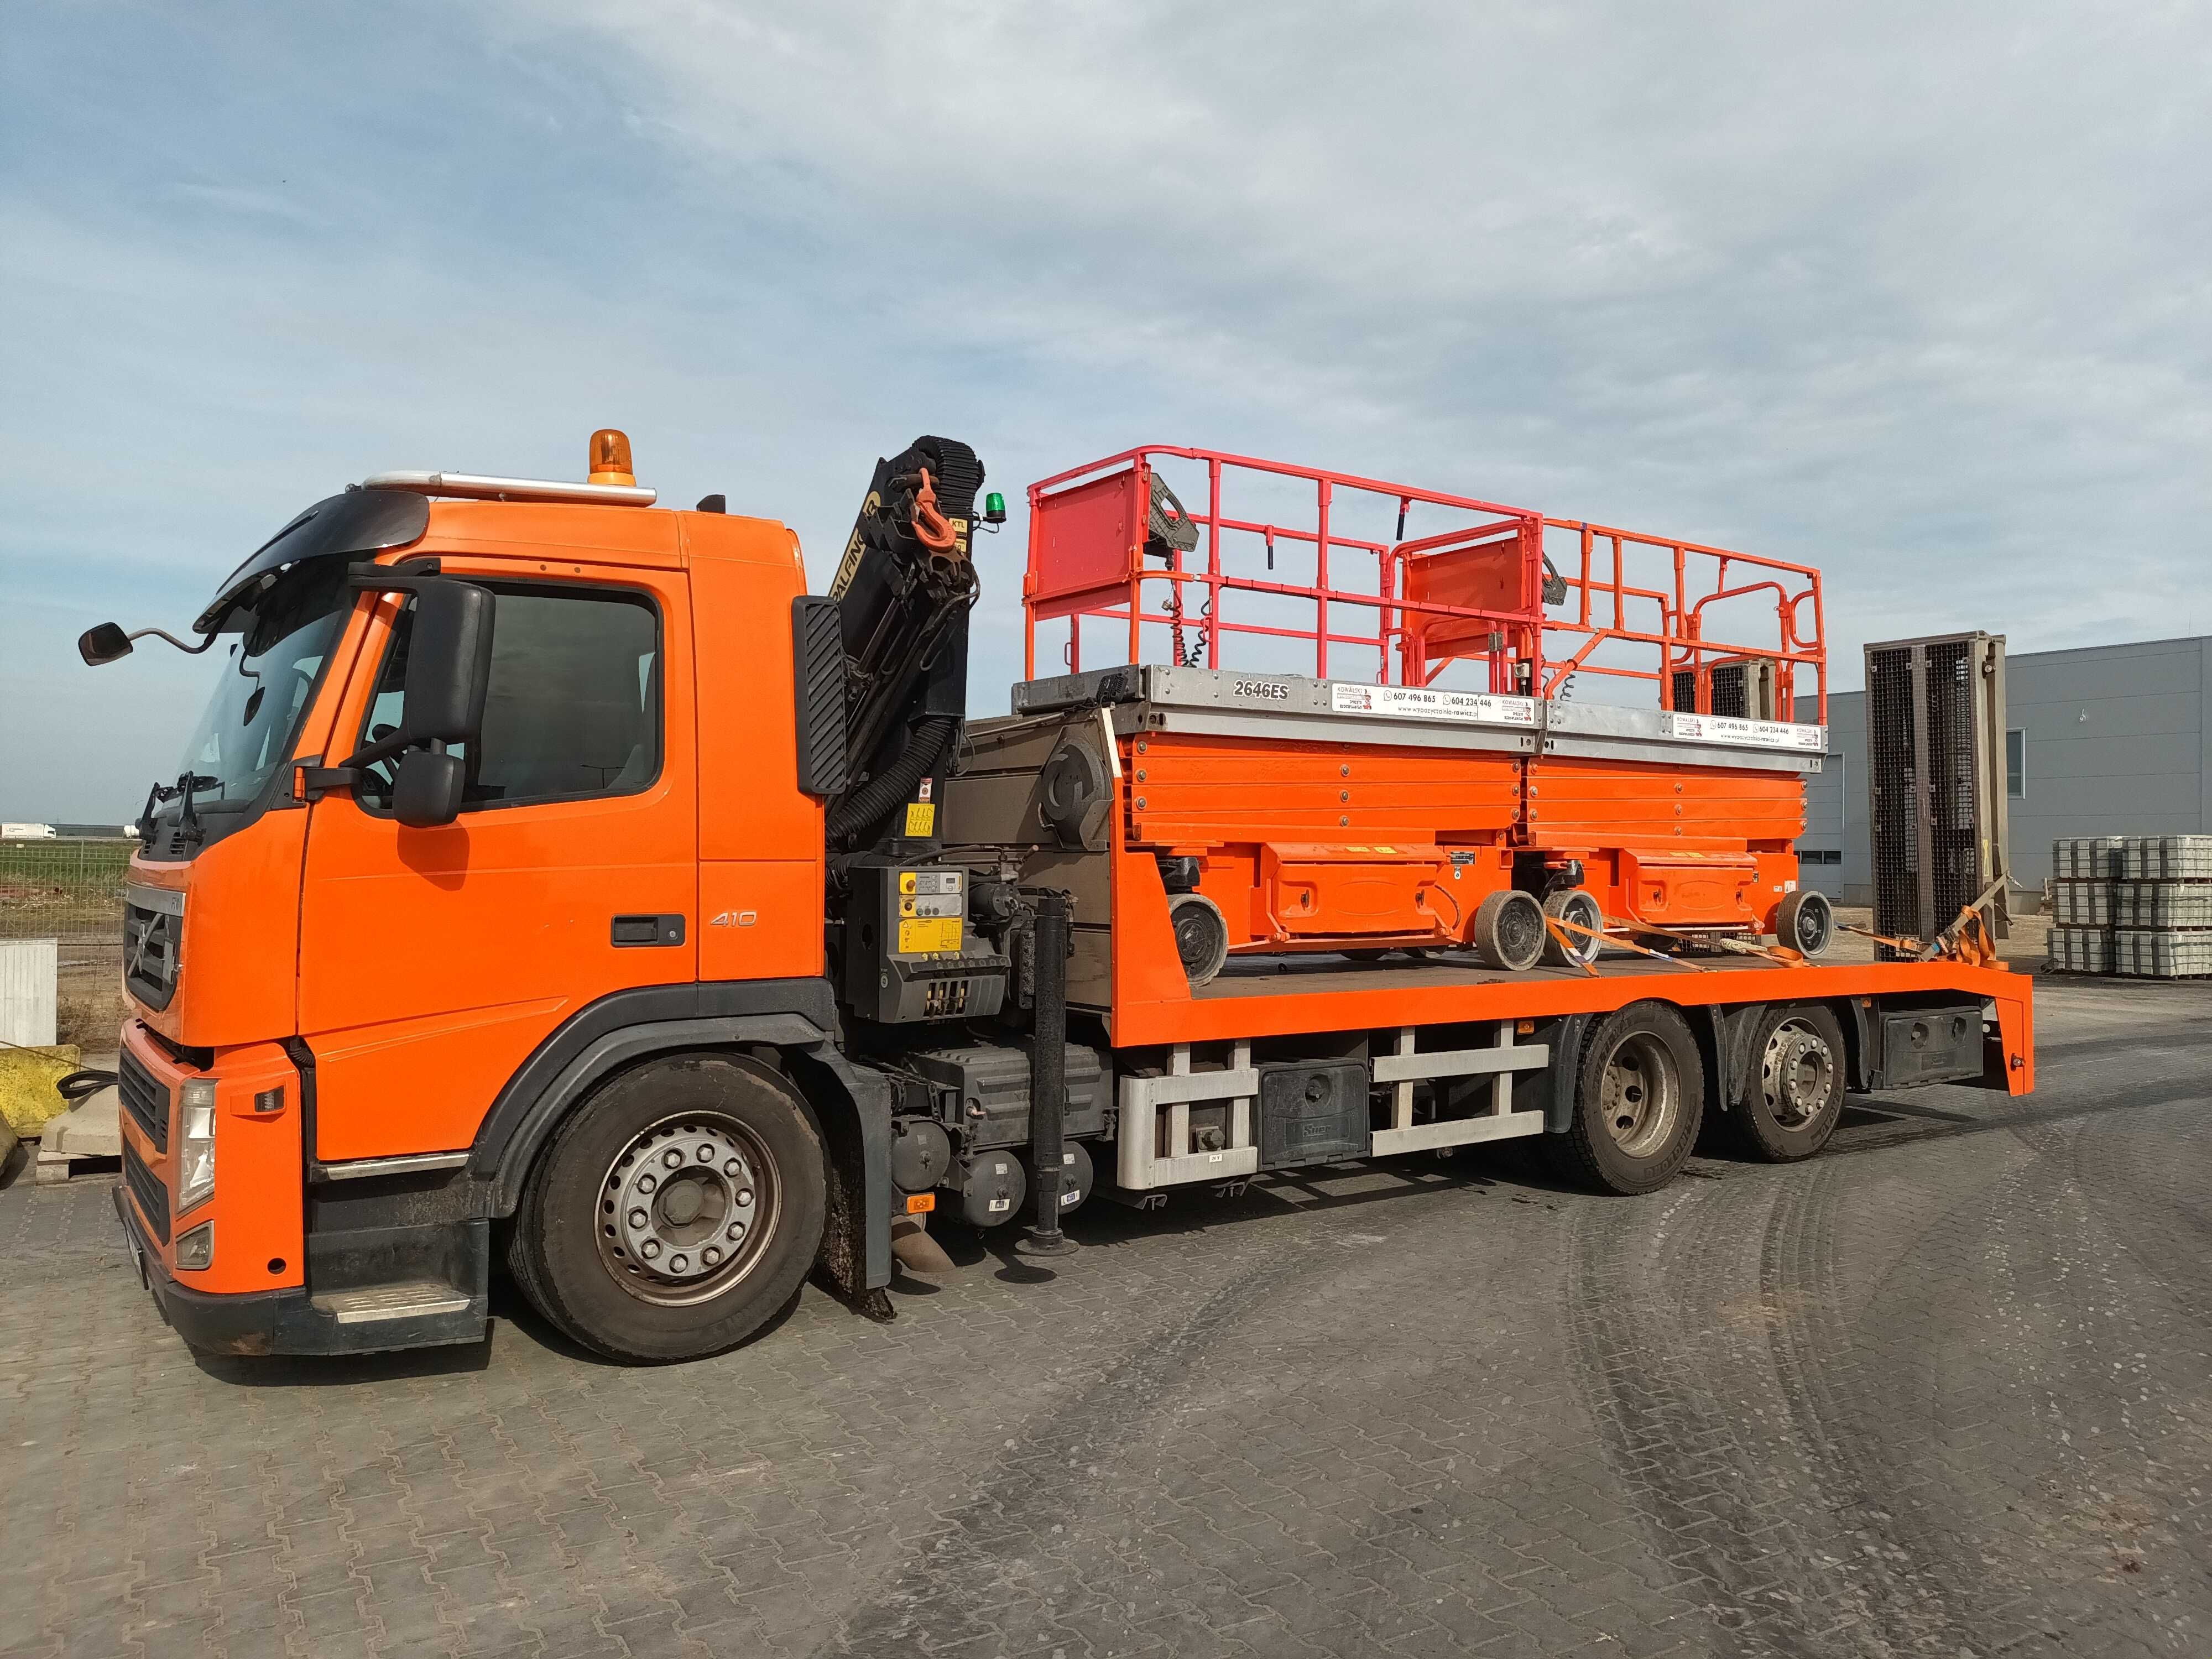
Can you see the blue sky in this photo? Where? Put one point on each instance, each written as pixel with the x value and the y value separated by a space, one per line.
pixel 1922 295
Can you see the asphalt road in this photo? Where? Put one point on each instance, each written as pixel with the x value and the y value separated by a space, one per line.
pixel 1946 1390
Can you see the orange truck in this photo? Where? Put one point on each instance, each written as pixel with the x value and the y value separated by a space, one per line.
pixel 552 877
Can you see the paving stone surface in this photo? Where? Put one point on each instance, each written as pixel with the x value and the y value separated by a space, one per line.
pixel 1945 1390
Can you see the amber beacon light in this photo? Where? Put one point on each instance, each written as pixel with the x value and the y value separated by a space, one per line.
pixel 610 462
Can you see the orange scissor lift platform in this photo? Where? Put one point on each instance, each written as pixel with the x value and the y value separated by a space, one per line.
pixel 1319 812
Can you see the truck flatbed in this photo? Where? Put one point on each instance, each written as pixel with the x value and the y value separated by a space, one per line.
pixel 1273 995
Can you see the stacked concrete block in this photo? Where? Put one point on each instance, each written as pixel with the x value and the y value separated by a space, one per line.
pixel 2081 949
pixel 2138 905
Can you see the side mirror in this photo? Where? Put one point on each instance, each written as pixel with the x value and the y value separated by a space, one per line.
pixel 449 666
pixel 442 701
pixel 103 645
pixel 427 792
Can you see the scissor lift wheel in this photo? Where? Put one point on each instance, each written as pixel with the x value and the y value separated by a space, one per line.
pixel 1579 908
pixel 1805 921
pixel 1201 935
pixel 1509 931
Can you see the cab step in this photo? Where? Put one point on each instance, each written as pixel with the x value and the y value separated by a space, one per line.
pixel 371 1304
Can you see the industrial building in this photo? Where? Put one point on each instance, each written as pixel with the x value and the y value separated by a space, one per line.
pixel 2105 740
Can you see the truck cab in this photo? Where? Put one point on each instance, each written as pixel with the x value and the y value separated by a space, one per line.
pixel 347 1027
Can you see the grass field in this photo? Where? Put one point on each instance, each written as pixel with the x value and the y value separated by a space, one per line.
pixel 70 890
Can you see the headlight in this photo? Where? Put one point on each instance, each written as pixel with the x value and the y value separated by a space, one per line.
pixel 196 1249
pixel 195 1145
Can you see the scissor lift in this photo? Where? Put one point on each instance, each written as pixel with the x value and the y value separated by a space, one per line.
pixel 1405 808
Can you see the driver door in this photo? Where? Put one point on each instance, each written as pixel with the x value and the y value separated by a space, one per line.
pixel 433 960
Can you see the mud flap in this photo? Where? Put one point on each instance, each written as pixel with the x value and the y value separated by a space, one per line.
pixel 855 1261
pixel 842 1268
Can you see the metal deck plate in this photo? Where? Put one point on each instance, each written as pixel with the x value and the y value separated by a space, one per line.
pixel 1295 709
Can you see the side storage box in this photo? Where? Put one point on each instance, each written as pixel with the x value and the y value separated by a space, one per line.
pixel 1312 1113
pixel 985 1092
pixel 1931 1045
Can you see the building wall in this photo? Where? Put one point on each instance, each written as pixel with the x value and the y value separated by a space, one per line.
pixel 2118 742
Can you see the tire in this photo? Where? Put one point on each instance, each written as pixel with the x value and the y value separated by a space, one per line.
pixel 1579 906
pixel 1805 922
pixel 1509 931
pixel 1627 1135
pixel 1793 1089
pixel 582 1263
pixel 1201 936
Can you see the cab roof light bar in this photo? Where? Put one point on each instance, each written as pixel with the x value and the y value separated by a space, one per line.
pixel 613 480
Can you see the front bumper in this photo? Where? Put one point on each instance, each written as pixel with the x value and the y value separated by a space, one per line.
pixel 241 1322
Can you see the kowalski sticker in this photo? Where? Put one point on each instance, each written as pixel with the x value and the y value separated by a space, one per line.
pixel 1423 703
pixel 1750 734
pixel 920 819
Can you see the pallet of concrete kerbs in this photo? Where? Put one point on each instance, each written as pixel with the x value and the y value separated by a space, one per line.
pixel 2082 903
pixel 2165 858
pixel 2080 950
pixel 2131 858
pixel 2088 857
pixel 2162 953
pixel 2162 904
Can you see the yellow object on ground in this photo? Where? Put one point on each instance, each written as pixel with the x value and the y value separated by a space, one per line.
pixel 28 1096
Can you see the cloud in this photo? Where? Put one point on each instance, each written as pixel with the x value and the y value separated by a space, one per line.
pixel 1920 295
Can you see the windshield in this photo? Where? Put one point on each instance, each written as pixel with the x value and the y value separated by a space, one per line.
pixel 247 729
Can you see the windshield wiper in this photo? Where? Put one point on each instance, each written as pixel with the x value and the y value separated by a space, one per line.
pixel 189 827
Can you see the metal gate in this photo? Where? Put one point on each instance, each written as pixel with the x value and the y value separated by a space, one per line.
pixel 1935 779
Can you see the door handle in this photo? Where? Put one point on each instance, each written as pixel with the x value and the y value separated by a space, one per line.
pixel 632 931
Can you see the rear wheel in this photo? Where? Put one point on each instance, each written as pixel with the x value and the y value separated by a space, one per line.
pixel 675 1212
pixel 1509 931
pixel 1639 1096
pixel 1794 1092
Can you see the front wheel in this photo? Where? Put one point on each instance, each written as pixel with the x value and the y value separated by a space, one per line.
pixel 1639 1096
pixel 675 1213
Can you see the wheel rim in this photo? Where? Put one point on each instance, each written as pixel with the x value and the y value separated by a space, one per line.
pixel 686 1209
pixel 1796 1073
pixel 1641 1095
pixel 1812 929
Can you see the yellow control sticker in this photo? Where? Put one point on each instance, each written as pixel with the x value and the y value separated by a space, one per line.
pixel 921 818
pixel 941 933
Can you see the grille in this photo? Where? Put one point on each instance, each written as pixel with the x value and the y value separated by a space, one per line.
pixel 1727 693
pixel 146 1100
pixel 1683 691
pixel 818 652
pixel 146 1187
pixel 153 944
